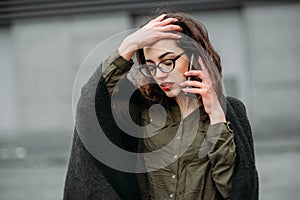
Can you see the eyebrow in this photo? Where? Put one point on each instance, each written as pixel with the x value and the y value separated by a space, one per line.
pixel 162 55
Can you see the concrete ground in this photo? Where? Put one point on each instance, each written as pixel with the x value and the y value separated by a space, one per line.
pixel 41 176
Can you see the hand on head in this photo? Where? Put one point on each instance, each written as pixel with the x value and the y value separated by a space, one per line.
pixel 155 30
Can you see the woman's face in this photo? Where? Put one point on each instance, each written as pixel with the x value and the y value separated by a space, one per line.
pixel 160 51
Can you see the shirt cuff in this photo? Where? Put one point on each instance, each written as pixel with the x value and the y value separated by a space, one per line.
pixel 215 136
pixel 120 62
pixel 215 130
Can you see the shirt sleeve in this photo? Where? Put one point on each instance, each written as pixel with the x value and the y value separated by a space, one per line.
pixel 222 156
pixel 114 68
pixel 126 113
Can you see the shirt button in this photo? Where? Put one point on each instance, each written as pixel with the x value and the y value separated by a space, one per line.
pixel 171 195
pixel 173 176
pixel 178 137
pixel 176 156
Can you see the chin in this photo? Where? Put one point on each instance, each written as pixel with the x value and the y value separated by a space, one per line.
pixel 172 93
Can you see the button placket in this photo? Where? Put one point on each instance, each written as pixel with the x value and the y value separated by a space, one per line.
pixel 176 150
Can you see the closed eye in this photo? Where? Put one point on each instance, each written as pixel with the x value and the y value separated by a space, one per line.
pixel 168 62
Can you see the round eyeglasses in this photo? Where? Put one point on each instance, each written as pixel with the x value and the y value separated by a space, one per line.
pixel 166 66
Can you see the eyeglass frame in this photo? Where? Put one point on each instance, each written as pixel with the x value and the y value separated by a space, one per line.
pixel 157 66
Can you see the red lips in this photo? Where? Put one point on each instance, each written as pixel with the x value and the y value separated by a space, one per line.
pixel 166 86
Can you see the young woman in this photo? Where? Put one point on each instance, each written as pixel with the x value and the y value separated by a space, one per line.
pixel 204 138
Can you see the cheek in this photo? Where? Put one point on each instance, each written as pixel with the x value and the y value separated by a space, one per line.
pixel 154 78
pixel 177 76
pixel 178 72
pixel 182 67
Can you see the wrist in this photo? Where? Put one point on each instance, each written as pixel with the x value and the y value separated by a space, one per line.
pixel 217 118
pixel 127 49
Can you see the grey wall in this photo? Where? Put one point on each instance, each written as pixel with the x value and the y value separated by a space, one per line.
pixel 273 59
pixel 7 84
pixel 39 61
pixel 258 46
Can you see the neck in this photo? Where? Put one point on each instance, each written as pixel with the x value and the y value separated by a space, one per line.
pixel 186 104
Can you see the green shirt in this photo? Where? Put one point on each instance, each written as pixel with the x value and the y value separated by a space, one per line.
pixel 198 158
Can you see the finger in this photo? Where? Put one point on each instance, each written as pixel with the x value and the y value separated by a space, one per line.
pixel 167 21
pixel 164 35
pixel 201 63
pixel 208 79
pixel 196 84
pixel 203 66
pixel 170 27
pixel 200 91
pixel 198 73
pixel 159 18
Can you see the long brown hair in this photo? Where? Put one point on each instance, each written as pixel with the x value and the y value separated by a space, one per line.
pixel 196 42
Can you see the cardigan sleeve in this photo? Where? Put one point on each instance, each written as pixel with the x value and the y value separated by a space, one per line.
pixel 84 178
pixel 245 183
pixel 87 177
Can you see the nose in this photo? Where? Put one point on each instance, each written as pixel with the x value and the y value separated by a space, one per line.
pixel 160 75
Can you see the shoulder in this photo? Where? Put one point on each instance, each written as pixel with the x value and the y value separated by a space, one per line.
pixel 236 108
pixel 236 114
pixel 235 103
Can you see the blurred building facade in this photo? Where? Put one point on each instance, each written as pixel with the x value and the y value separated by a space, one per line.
pixel 43 44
